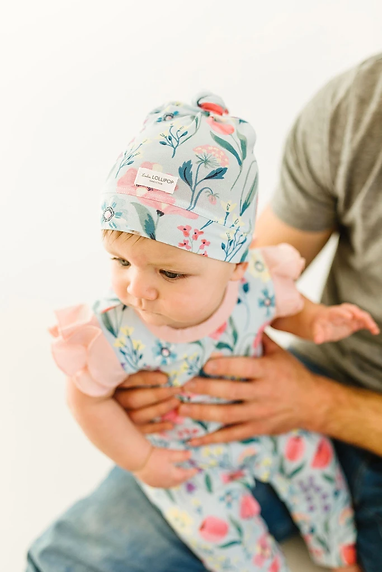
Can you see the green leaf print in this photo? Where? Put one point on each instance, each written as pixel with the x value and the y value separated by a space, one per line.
pixel 201 424
pixel 207 480
pixel 329 478
pixel 243 144
pixel 249 198
pixel 170 495
pixel 228 544
pixel 322 542
pixel 234 331
pixel 223 346
pixel 146 220
pixel 226 146
pixel 296 471
pixel 108 325
pixel 237 526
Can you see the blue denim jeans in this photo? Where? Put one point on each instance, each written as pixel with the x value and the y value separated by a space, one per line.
pixel 116 529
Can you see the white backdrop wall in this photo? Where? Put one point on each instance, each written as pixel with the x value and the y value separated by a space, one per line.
pixel 78 79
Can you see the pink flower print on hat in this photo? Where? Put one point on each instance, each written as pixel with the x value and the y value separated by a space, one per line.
pixel 211 156
pixel 196 234
pixel 214 107
pixel 220 126
pixel 164 203
pixel 210 102
pixel 185 244
pixel 204 243
pixel 185 229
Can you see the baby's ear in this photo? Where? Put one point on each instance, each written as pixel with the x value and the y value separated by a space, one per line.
pixel 240 269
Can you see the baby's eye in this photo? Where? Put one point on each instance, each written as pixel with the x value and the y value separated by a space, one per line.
pixel 122 262
pixel 172 275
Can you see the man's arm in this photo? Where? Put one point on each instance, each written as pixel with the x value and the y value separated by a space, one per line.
pixel 271 230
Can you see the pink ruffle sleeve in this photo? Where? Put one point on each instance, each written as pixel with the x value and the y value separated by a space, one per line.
pixel 83 353
pixel 285 265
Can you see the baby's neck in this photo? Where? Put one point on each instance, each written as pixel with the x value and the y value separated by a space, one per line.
pixel 203 329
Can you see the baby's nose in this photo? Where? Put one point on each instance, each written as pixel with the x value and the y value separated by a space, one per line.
pixel 140 287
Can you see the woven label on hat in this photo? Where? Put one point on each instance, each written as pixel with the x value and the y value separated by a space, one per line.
pixel 156 180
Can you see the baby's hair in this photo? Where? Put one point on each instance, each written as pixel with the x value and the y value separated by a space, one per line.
pixel 115 234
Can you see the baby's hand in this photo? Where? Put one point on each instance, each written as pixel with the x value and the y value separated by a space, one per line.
pixel 334 323
pixel 161 468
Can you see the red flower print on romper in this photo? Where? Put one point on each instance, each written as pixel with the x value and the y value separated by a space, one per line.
pixel 324 454
pixel 213 529
pixel 294 449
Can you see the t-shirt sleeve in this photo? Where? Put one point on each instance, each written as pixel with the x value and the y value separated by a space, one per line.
pixel 305 197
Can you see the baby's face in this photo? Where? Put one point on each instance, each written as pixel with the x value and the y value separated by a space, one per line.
pixel 166 285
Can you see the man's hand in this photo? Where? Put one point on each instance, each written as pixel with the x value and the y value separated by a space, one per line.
pixel 280 394
pixel 144 398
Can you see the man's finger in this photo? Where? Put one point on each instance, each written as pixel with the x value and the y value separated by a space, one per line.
pixel 149 428
pixel 227 414
pixel 175 456
pixel 239 367
pixel 231 433
pixel 223 388
pixel 150 413
pixel 145 378
pixel 142 397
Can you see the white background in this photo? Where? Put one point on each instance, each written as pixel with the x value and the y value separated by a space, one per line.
pixel 78 79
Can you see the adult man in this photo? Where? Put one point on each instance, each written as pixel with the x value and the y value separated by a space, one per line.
pixel 331 179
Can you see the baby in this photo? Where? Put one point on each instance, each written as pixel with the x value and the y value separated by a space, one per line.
pixel 178 216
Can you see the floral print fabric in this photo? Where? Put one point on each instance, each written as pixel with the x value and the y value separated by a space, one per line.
pixel 214 512
pixel 211 154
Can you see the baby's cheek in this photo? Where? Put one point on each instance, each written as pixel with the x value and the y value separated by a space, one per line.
pixel 117 285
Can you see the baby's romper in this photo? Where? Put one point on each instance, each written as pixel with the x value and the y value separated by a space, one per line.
pixel 215 512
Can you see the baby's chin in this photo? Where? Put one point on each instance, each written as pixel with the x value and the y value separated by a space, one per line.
pixel 160 320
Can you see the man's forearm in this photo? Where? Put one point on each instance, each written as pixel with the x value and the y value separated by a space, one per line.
pixel 347 413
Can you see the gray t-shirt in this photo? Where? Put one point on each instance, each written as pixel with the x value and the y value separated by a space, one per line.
pixel 331 176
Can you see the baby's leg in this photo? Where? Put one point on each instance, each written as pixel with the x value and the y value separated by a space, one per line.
pixel 216 515
pixel 309 480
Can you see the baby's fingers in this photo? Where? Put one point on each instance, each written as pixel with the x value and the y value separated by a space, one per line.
pixel 180 475
pixel 319 333
pixel 363 319
pixel 175 456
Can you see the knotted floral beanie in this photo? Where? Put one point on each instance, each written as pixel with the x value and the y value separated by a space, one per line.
pixel 188 179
